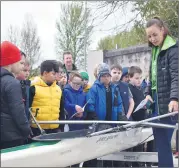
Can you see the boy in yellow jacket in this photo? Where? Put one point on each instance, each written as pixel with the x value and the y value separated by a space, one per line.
pixel 46 98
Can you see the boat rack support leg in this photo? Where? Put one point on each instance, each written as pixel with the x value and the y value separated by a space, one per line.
pixel 81 164
pixel 132 157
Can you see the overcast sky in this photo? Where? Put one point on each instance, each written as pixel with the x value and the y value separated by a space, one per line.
pixel 45 14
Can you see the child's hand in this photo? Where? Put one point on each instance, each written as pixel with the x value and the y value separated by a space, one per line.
pixel 128 116
pixel 79 109
pixel 145 107
pixel 79 115
pixel 148 97
pixel 173 106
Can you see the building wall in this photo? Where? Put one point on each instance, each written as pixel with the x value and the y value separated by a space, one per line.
pixel 132 56
pixel 94 58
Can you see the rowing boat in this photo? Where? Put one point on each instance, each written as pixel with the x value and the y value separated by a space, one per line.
pixel 74 147
pixel 68 148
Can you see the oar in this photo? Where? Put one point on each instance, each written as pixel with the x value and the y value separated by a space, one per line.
pixel 133 124
pixel 42 131
pixel 149 124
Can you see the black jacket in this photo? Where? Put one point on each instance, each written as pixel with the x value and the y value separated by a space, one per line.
pixel 167 78
pixel 138 96
pixel 25 86
pixel 14 123
pixel 74 68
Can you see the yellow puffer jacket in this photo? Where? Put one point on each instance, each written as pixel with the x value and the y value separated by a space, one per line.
pixel 34 79
pixel 86 89
pixel 47 100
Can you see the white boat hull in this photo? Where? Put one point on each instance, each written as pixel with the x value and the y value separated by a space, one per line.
pixel 72 151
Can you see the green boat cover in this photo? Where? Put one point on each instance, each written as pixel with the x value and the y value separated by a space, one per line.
pixel 32 145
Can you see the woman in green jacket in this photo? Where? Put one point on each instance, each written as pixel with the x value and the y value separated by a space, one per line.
pixel 164 84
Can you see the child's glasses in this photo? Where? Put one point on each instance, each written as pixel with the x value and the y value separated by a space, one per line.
pixel 76 84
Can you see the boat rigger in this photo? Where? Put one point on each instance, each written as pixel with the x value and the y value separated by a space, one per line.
pixel 56 149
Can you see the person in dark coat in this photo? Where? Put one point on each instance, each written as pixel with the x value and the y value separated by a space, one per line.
pixel 126 95
pixel 61 77
pixel 144 84
pixel 164 84
pixel 25 83
pixel 127 100
pixel 135 74
pixel 15 127
pixel 125 76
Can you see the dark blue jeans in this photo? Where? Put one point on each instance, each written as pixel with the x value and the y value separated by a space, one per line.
pixel 177 141
pixel 162 139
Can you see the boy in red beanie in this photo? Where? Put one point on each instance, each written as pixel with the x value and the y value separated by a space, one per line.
pixel 14 124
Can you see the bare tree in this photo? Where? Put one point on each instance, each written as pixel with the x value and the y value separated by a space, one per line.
pixel 143 10
pixel 13 35
pixel 71 33
pixel 27 40
pixel 30 42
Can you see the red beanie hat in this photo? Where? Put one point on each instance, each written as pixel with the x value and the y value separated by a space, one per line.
pixel 9 54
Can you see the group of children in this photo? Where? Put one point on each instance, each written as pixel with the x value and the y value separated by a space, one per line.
pixel 113 96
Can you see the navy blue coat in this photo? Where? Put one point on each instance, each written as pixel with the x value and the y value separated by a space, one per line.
pixel 124 92
pixel 25 85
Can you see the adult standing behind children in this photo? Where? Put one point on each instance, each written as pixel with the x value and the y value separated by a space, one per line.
pixel 15 127
pixel 45 98
pixel 164 84
pixel 68 63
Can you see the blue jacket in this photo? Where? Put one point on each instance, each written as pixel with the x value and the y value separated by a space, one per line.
pixel 97 102
pixel 71 98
